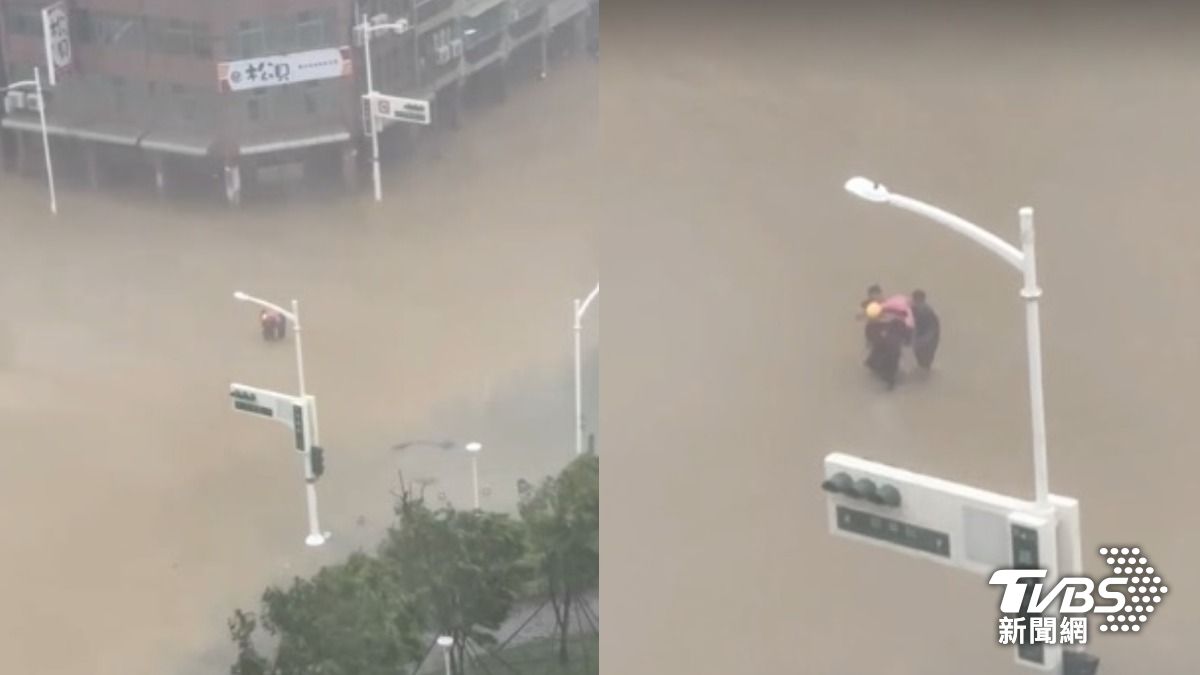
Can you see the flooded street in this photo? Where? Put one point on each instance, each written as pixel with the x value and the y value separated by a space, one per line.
pixel 139 510
pixel 739 265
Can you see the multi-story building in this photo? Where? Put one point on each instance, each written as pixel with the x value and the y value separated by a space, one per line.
pixel 224 87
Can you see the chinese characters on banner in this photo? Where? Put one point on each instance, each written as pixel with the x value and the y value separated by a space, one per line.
pixel 1045 630
pixel 56 31
pixel 271 71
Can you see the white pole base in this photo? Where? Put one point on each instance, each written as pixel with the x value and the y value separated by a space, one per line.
pixel 316 539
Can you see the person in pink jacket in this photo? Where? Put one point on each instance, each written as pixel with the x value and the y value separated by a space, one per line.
pixel 899 308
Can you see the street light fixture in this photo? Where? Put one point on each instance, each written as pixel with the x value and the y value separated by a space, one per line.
pixel 474 447
pixel 580 309
pixel 1025 261
pixel 315 536
pixel 367 26
pixel 446 642
pixel 36 84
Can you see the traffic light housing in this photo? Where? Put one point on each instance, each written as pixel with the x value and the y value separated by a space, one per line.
pixel 863 488
pixel 318 461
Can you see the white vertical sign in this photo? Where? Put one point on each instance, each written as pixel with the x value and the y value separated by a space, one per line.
pixel 56 30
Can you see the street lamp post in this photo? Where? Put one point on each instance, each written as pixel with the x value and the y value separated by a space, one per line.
pixel 446 642
pixel 367 27
pixel 1023 260
pixel 315 536
pixel 36 84
pixel 474 447
pixel 580 309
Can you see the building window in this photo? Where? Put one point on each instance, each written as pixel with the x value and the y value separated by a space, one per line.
pixel 23 21
pixel 312 29
pixel 177 38
pixel 201 41
pixel 251 39
pixel 81 26
pixel 119 99
pixel 117 30
pixel 255 104
pixel 281 37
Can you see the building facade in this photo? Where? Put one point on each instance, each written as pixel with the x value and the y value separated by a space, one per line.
pixel 224 88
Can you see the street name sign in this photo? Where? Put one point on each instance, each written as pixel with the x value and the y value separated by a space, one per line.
pixel 413 110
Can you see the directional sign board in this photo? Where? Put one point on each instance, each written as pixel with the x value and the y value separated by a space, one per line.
pixel 414 110
pixel 293 412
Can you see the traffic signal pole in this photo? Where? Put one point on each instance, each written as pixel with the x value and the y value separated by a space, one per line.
pixel 315 536
pixel 308 429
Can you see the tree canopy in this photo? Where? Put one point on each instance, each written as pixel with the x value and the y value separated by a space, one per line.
pixel 562 518
pixel 437 572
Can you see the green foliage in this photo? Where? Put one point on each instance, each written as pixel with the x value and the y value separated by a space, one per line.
pixel 464 568
pixel 437 572
pixel 562 518
pixel 350 619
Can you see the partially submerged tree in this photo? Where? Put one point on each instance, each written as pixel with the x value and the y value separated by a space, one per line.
pixel 349 619
pixel 464 569
pixel 562 517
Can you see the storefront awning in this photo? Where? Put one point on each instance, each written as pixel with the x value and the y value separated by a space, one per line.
pixel 100 132
pixel 178 142
pixel 297 141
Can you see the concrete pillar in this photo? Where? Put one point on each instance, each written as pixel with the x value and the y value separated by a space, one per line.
pixel 350 167
pixel 22 143
pixel 160 177
pixel 456 102
pixel 233 183
pixel 501 81
pixel 91 163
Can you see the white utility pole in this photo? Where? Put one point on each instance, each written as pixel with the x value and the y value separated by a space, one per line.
pixel 580 309
pixel 36 85
pixel 315 536
pixel 367 27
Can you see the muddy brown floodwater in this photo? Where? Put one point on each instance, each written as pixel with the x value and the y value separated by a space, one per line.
pixel 738 265
pixel 138 510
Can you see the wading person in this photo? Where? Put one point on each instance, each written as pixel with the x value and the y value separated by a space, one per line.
pixel 927 330
pixel 886 337
pixel 873 303
pixel 274 326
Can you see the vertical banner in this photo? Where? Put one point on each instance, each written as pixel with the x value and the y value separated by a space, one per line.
pixel 56 31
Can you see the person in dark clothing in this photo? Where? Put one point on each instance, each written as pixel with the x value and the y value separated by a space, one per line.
pixel 886 338
pixel 927 330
